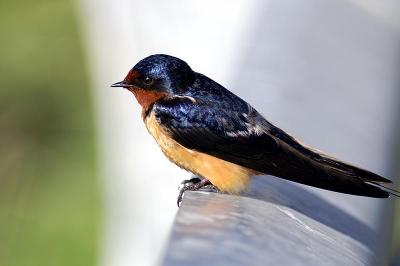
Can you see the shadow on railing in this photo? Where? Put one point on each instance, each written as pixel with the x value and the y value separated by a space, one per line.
pixel 313 206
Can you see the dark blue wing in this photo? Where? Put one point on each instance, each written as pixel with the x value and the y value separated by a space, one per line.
pixel 222 132
pixel 233 131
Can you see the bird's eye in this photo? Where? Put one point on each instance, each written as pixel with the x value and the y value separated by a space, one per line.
pixel 147 80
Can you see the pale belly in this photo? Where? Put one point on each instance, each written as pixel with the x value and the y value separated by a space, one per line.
pixel 228 177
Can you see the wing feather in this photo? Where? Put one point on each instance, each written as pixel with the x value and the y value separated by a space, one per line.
pixel 239 134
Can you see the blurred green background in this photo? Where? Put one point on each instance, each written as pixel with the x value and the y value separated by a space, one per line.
pixel 50 206
pixel 49 195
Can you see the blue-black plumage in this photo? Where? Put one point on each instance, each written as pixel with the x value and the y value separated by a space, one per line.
pixel 206 129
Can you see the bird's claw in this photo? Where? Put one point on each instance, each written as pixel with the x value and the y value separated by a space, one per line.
pixel 194 184
pixel 191 181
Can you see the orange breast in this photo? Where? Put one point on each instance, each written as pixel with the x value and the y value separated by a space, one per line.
pixel 228 177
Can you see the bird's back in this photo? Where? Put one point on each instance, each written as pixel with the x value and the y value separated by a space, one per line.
pixel 220 124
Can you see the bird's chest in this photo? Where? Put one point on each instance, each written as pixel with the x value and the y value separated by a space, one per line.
pixel 172 149
pixel 226 176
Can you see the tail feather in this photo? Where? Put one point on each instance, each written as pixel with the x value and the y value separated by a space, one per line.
pixel 371 182
pixel 326 173
pixel 351 170
pixel 323 171
pixel 389 190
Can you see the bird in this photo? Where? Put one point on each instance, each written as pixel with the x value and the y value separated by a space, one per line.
pixel 209 131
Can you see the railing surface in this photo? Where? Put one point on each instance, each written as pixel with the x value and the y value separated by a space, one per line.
pixel 275 223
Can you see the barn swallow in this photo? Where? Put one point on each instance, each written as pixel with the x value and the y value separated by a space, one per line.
pixel 209 131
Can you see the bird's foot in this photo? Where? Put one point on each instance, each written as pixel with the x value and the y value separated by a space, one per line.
pixel 193 180
pixel 194 184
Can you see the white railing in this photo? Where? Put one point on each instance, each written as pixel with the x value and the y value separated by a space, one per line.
pixel 275 223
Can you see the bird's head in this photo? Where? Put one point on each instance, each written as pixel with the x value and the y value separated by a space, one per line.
pixel 157 76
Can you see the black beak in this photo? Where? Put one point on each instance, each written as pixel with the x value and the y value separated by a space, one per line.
pixel 122 84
